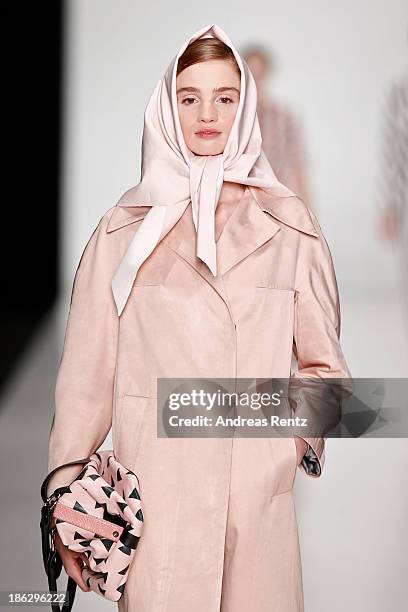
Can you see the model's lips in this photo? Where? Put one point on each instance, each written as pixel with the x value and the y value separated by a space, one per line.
pixel 208 133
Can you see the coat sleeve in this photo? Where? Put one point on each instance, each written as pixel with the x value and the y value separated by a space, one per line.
pixel 317 328
pixel 84 387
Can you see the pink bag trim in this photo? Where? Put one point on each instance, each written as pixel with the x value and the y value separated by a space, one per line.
pixel 88 522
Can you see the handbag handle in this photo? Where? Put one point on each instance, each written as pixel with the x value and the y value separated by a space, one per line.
pixel 51 474
pixel 52 560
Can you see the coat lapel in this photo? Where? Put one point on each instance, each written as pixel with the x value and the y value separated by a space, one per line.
pixel 251 225
pixel 247 229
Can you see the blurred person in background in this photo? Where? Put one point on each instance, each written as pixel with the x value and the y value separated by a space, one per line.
pixel 393 219
pixel 282 135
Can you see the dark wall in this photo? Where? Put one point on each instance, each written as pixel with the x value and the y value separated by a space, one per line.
pixel 31 122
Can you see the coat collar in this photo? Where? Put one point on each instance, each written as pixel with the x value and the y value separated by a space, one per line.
pixel 124 215
pixel 252 223
pixel 247 229
pixel 290 210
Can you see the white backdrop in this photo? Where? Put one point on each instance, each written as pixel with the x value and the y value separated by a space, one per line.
pixel 335 58
pixel 334 61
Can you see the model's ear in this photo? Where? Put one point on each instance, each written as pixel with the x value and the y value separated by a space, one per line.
pixel 124 215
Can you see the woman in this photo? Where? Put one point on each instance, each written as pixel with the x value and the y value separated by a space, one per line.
pixel 283 138
pixel 169 287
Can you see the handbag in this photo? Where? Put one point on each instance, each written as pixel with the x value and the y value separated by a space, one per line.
pixel 99 514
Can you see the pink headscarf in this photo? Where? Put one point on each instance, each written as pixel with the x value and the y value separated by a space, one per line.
pixel 172 176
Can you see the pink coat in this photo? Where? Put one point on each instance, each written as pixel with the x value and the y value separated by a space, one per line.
pixel 220 530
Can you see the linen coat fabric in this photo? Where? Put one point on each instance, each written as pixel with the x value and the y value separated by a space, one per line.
pixel 220 531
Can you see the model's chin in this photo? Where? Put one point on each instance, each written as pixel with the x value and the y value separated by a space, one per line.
pixel 207 150
pixel 201 146
pixel 207 153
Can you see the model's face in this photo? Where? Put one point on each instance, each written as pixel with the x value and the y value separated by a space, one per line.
pixel 207 99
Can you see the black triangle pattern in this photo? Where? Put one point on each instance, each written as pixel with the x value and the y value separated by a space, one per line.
pixel 118 476
pixel 139 515
pixel 107 543
pixel 123 572
pixel 78 536
pixel 85 543
pixel 129 542
pixel 135 494
pixel 98 561
pixel 121 588
pixel 108 491
pixel 94 476
pixel 78 507
pixel 106 514
pixel 100 505
pixel 103 591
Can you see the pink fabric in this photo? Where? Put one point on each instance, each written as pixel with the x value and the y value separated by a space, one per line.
pixel 172 176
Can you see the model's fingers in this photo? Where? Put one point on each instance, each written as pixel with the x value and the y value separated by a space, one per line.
pixel 75 567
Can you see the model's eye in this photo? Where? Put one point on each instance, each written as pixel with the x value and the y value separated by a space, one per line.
pixel 227 98
pixel 187 100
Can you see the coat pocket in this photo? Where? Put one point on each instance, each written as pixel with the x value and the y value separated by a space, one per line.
pixel 284 463
pixel 273 293
pixel 277 308
pixel 128 426
pixel 266 285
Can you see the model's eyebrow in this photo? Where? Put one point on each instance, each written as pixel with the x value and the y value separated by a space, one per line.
pixel 215 90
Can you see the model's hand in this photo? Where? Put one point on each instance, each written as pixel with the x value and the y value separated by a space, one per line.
pixel 73 562
pixel 301 447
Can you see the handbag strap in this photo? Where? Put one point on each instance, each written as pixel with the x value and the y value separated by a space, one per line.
pixel 53 573
pixel 52 560
pixel 51 474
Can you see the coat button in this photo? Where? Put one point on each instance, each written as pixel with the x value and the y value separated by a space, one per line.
pixel 115 534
